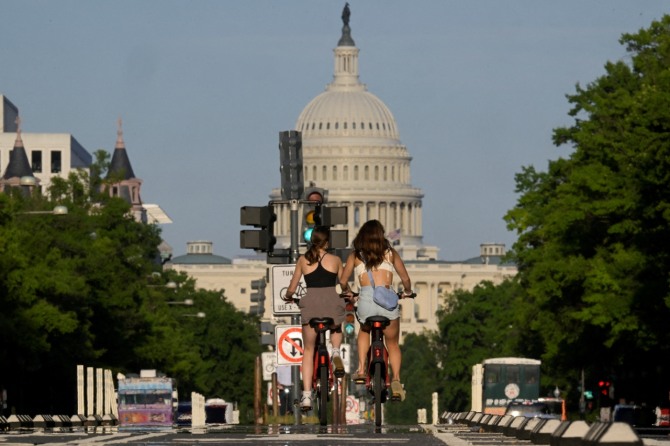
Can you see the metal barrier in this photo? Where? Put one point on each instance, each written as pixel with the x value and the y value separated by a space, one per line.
pixel 478 428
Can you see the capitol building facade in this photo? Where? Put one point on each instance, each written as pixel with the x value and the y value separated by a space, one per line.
pixel 352 148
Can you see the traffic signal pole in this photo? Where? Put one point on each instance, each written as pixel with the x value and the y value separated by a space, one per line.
pixel 295 318
pixel 295 230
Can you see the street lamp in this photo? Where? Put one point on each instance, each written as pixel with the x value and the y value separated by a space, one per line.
pixel 58 210
pixel 180 302
pixel 28 181
pixel 199 315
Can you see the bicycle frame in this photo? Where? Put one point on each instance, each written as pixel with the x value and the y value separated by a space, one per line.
pixel 322 378
pixel 377 354
pixel 377 379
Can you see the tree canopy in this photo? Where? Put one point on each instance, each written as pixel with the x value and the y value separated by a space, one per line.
pixel 88 288
pixel 593 249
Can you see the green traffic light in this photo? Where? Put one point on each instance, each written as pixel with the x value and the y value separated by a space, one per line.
pixel 349 329
pixel 307 235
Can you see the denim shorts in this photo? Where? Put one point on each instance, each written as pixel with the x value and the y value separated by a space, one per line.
pixel 367 307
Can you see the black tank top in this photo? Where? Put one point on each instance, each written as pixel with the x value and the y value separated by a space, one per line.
pixel 320 277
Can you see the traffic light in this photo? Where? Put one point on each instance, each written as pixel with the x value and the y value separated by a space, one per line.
pixel 314 199
pixel 349 319
pixel 262 217
pixel 336 215
pixel 258 297
pixel 290 165
pixel 604 387
pixel 267 333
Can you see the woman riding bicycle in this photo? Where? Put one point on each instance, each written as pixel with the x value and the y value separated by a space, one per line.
pixel 373 252
pixel 321 271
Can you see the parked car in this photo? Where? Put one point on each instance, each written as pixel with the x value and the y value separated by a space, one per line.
pixel 539 408
pixel 634 415
pixel 183 418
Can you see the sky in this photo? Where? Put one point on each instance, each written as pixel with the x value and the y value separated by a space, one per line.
pixel 205 86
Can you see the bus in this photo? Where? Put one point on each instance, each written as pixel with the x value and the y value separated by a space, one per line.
pixel 146 402
pixel 498 381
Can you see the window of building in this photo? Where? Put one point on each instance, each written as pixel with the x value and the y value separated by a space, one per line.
pixel 36 160
pixel 56 161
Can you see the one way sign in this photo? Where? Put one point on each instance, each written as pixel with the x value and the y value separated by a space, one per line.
pixel 289 344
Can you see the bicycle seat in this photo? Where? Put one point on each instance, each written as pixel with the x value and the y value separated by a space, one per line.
pixel 383 319
pixel 327 321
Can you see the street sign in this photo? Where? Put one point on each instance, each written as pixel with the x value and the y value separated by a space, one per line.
pixel 281 278
pixel 269 363
pixel 289 344
pixel 345 353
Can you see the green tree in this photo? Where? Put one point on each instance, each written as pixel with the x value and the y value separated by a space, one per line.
pixel 473 326
pixel 420 367
pixel 594 230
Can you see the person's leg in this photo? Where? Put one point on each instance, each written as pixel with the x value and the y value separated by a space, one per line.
pixel 308 341
pixel 336 341
pixel 363 347
pixel 392 338
pixel 336 338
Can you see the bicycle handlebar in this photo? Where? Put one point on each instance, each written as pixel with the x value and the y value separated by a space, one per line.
pixel 400 294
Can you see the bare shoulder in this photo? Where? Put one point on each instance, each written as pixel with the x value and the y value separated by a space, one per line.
pixel 332 259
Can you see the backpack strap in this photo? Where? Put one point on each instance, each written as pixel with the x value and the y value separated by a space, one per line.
pixel 372 281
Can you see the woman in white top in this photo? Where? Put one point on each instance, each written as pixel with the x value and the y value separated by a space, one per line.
pixel 373 252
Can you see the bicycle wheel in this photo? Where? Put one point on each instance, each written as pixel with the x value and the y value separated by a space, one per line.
pixel 377 388
pixel 323 396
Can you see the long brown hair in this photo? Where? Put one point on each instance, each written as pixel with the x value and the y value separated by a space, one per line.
pixel 319 240
pixel 370 244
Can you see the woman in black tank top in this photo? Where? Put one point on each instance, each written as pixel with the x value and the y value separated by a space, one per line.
pixel 321 271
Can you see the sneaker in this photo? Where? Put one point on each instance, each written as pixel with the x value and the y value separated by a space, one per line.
pixel 397 391
pixel 338 366
pixel 306 402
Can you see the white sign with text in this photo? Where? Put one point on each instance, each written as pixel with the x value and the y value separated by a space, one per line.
pixel 281 278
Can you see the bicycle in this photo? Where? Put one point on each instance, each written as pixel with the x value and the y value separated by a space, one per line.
pixel 378 380
pixel 300 292
pixel 323 378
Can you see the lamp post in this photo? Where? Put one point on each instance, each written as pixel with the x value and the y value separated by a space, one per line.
pixel 58 210
pixel 180 302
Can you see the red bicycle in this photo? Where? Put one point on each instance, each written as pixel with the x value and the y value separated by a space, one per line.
pixel 324 379
pixel 377 379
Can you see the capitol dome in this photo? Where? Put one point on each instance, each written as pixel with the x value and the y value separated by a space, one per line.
pixel 346 108
pixel 351 148
pixel 343 112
